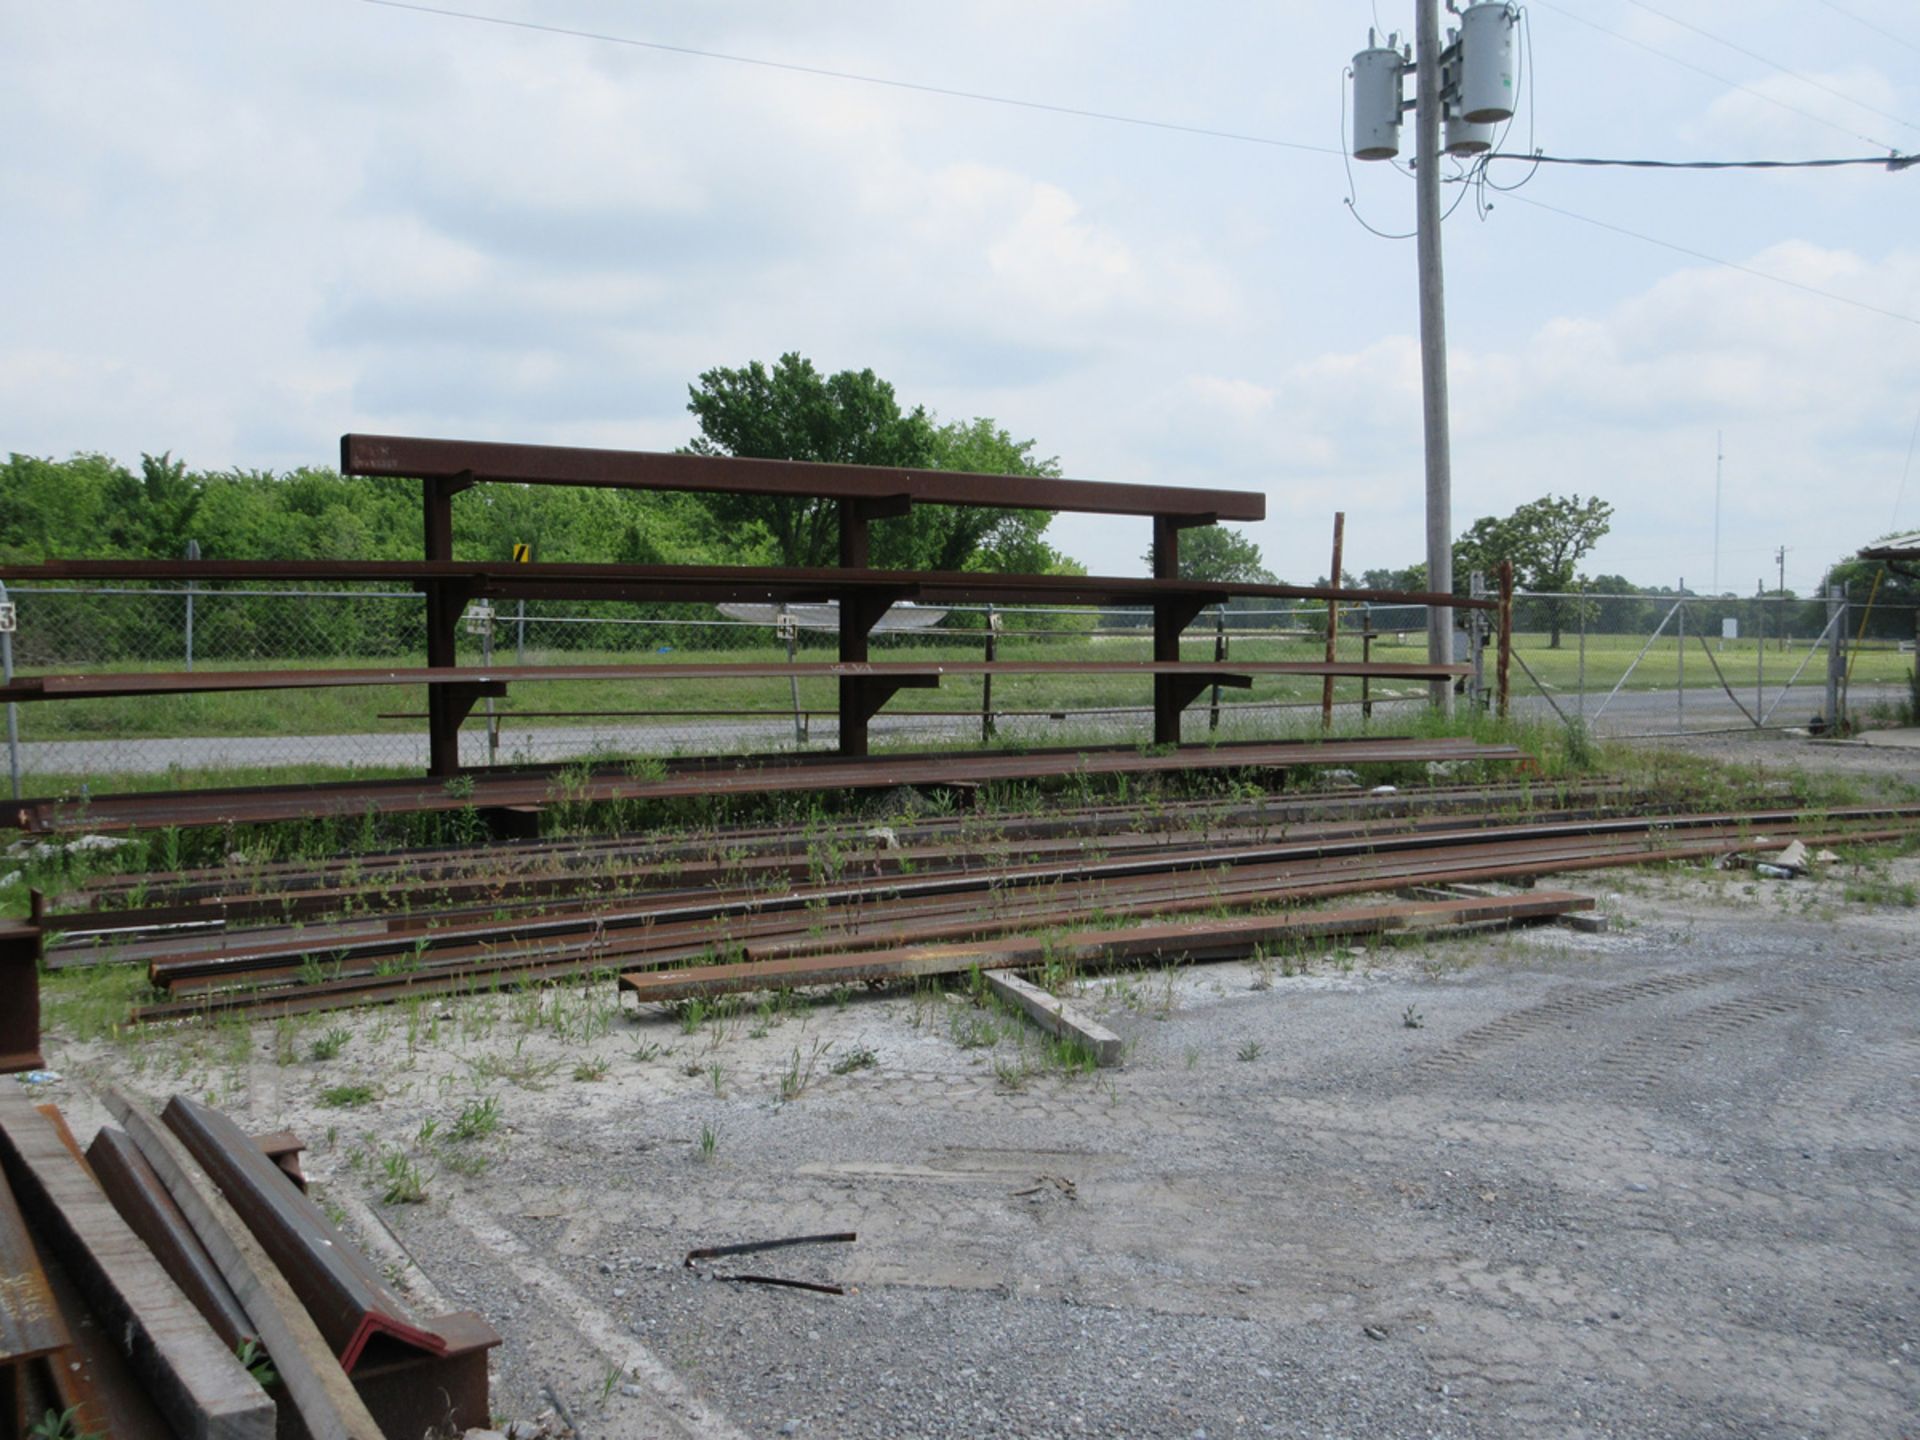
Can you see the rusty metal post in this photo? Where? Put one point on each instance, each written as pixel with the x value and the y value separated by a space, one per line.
pixel 444 605
pixel 1503 669
pixel 1333 621
pixel 1366 683
pixel 853 628
pixel 1219 658
pixel 1166 630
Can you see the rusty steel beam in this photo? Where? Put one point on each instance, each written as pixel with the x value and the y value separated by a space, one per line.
pixel 143 1202
pixel 850 670
pixel 961 916
pixel 192 1378
pixel 750 776
pixel 1185 940
pixel 413 1377
pixel 349 1303
pixel 673 583
pixel 406 457
pixel 19 997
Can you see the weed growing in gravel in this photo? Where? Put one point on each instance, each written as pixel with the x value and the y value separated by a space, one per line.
pixel 799 1074
pixel 517 1068
pixel 1413 1019
pixel 477 1120
pixel 1193 1056
pixel 344 1097
pixel 590 1070
pixel 1250 1051
pixel 329 1045
pixel 858 1058
pixel 709 1140
pixel 645 1050
pixel 716 1077
pixel 404 1183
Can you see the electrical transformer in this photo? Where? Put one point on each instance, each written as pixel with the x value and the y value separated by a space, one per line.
pixel 1486 62
pixel 1377 102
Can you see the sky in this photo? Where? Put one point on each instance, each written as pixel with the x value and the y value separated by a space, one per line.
pixel 238 228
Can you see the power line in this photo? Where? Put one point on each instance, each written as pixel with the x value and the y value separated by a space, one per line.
pixel 1713 75
pixel 1888 162
pixel 1718 260
pixel 1877 29
pixel 881 80
pixel 1775 64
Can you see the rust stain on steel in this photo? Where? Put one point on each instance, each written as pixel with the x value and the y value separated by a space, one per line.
pixel 30 1323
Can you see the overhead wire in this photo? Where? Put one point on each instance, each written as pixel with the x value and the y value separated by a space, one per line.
pixel 1877 29
pixel 1715 76
pixel 1883 162
pixel 1722 261
pixel 824 72
pixel 1740 49
pixel 1476 171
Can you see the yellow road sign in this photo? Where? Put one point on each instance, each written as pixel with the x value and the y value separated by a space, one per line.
pixel 522 554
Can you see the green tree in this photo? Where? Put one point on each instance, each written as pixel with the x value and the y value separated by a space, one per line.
pixel 1545 539
pixel 793 412
pixel 1221 554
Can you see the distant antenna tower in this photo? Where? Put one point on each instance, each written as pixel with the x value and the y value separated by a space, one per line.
pixel 1719 466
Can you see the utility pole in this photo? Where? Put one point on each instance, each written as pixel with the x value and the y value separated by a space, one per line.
pixel 1428 105
pixel 1464 90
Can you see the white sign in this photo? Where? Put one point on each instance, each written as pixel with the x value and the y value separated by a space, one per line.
pixel 1730 628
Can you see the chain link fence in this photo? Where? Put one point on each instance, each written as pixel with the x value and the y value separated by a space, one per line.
pixel 258 737
pixel 1651 665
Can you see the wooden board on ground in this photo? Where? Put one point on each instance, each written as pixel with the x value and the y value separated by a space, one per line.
pixel 1057 1017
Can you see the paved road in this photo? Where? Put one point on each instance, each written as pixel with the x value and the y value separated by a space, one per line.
pixel 1631 713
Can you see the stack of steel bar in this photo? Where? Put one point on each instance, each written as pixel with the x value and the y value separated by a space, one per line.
pixel 541 786
pixel 781 906
pixel 134 1294
pixel 141 916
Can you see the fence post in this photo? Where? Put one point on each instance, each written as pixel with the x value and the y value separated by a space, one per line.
pixel 1580 693
pixel 788 629
pixel 520 632
pixel 1760 652
pixel 1477 640
pixel 1680 685
pixel 1333 621
pixel 986 680
pixel 9 619
pixel 486 659
pixel 1503 669
pixel 1836 655
pixel 193 553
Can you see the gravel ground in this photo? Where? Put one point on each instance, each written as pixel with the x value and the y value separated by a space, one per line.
pixel 1660 1181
